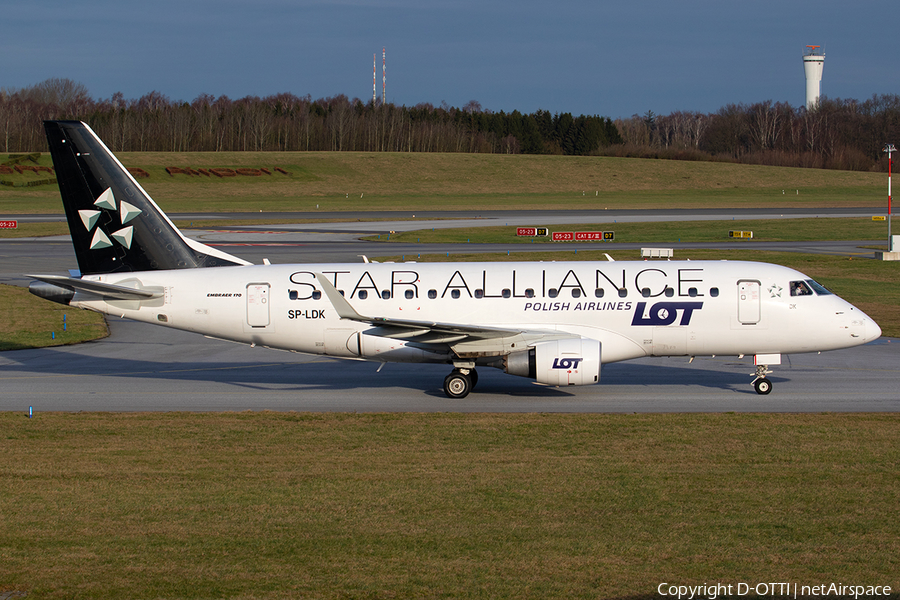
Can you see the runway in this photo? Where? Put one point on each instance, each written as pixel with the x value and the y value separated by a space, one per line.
pixel 145 368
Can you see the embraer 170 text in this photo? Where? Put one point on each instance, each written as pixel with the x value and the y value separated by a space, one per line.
pixel 554 322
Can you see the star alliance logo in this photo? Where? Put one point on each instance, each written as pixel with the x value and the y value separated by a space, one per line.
pixel 775 291
pixel 126 211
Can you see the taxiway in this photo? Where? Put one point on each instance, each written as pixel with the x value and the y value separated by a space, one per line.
pixel 145 368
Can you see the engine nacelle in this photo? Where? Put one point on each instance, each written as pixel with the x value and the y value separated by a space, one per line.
pixel 560 362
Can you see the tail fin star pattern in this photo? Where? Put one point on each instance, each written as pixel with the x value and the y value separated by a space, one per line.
pixel 115 225
pixel 126 211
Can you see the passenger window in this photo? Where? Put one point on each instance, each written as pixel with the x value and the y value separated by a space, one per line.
pixel 799 288
pixel 576 293
pixel 479 293
pixel 553 293
pixel 714 292
pixel 317 295
pixel 409 294
pixel 341 292
pixel 529 293
pixel 292 294
pixel 454 294
pixel 692 292
pixel 598 293
pixel 506 293
pixel 386 294
pixel 670 292
pixel 432 294
pixel 645 292
pixel 623 293
pixel 362 294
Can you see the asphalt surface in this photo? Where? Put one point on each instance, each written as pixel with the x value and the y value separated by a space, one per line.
pixel 141 367
pixel 145 368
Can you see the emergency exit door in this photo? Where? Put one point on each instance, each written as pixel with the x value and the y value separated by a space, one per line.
pixel 258 305
pixel 748 302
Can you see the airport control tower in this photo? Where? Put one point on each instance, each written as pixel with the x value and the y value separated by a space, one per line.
pixel 813 63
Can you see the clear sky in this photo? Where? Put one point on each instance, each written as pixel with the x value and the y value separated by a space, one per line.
pixel 583 56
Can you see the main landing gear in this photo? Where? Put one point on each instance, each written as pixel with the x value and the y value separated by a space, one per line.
pixel 761 384
pixel 460 382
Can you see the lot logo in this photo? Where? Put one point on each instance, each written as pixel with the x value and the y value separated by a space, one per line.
pixel 665 313
pixel 566 363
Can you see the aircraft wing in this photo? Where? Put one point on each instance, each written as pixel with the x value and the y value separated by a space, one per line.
pixel 463 338
pixel 107 291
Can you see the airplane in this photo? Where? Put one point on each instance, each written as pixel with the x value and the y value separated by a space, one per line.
pixel 553 322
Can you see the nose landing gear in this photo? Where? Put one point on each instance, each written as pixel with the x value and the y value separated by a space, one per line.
pixel 761 384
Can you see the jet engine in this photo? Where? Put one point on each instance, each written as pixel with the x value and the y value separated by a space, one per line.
pixel 572 361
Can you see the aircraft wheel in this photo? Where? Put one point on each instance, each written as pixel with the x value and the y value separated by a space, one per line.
pixel 763 386
pixel 457 385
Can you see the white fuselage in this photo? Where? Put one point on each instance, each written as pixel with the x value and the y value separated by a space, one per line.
pixel 635 309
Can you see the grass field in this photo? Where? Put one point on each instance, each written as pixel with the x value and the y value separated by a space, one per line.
pixel 266 505
pixel 27 321
pixel 395 181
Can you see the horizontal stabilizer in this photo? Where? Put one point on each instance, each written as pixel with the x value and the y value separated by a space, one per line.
pixel 106 291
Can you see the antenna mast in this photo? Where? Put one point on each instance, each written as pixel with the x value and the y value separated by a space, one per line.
pixel 383 76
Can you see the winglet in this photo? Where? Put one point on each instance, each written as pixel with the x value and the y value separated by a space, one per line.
pixel 343 308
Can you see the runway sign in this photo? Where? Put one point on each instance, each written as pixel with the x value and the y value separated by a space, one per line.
pixel 582 236
pixel 532 231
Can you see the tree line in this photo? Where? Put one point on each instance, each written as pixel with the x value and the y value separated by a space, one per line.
pixel 288 122
pixel 837 134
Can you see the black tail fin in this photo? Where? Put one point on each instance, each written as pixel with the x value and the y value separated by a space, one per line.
pixel 114 223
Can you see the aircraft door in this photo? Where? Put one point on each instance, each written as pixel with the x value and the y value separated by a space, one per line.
pixel 258 304
pixel 748 302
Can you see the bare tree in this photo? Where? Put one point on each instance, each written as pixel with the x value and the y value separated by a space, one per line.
pixel 62 93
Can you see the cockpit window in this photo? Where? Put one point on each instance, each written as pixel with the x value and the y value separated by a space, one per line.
pixel 819 288
pixel 800 288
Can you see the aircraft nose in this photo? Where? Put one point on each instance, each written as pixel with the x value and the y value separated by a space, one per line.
pixel 873 331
